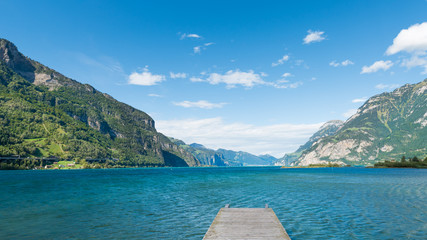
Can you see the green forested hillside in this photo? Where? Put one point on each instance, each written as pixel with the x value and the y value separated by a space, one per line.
pixel 43 113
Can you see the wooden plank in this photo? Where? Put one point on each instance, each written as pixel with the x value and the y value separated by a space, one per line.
pixel 246 223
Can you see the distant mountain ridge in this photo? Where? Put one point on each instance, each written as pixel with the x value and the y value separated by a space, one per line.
pixel 43 113
pixel 386 127
pixel 223 157
pixel 247 159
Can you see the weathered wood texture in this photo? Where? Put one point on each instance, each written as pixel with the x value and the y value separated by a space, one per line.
pixel 246 223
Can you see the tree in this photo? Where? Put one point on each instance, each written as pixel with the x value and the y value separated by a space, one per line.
pixel 415 159
pixel 403 159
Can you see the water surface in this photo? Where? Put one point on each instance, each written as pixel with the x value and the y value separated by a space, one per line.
pixel 180 203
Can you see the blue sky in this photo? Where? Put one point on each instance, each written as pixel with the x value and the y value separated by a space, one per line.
pixel 258 76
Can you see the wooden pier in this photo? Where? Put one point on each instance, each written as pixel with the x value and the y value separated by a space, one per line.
pixel 246 223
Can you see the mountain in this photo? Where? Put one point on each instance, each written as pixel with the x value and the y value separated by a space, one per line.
pixel 327 129
pixel 385 127
pixel 247 159
pixel 44 113
pixel 223 157
pixel 205 156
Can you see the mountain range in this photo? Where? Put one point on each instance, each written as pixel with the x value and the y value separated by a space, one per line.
pixel 223 157
pixel 46 114
pixel 386 127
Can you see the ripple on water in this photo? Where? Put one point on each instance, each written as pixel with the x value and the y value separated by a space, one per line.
pixel 179 203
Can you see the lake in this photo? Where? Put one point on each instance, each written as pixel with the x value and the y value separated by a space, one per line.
pixel 181 203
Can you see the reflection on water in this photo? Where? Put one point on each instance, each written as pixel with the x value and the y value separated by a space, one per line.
pixel 180 203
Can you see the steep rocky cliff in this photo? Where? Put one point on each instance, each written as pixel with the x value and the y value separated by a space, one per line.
pixel 45 99
pixel 386 127
pixel 327 129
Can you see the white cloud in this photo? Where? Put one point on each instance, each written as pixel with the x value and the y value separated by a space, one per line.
pixel 349 113
pixel 249 79
pixel 154 95
pixel 315 36
pixel 190 35
pixel 411 40
pixel 196 79
pixel 233 78
pixel 199 104
pixel 347 62
pixel 145 78
pixel 280 61
pixel 285 75
pixel 177 75
pixel 343 63
pixel 196 49
pixel 334 64
pixel 215 133
pixel 415 61
pixel 387 86
pixel 376 66
pixel 359 100
pixel 283 83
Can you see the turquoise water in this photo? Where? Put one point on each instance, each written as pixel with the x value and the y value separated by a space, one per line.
pixel 180 203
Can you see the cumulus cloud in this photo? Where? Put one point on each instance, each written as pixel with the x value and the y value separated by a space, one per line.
pixel 315 36
pixel 199 104
pixel 249 79
pixel 190 35
pixel 214 133
pixel 343 63
pixel 145 78
pixel 233 78
pixel 280 61
pixel 387 86
pixel 413 41
pixel 376 66
pixel 177 75
pixel 359 100
pixel 349 113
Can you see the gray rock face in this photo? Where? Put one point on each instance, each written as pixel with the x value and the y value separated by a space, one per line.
pixel 31 70
pixel 327 129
